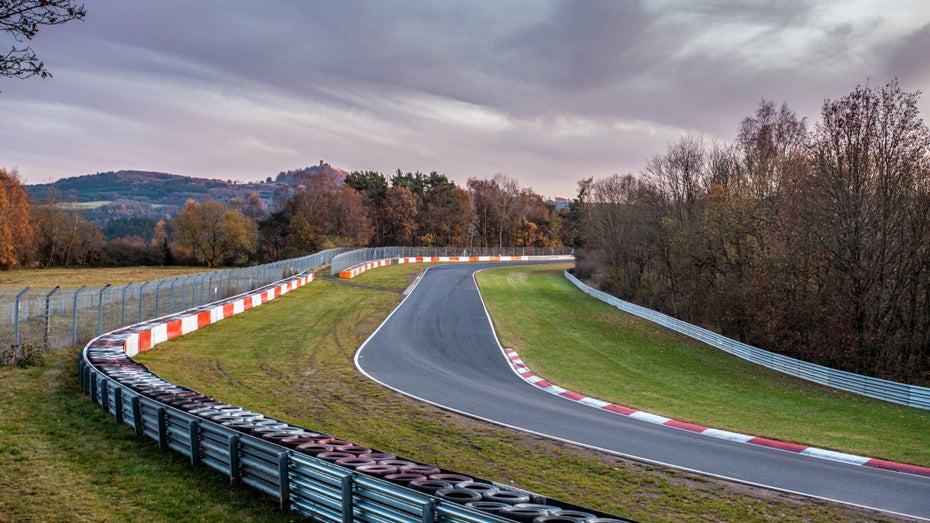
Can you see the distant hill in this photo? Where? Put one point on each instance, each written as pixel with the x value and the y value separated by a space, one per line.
pixel 142 194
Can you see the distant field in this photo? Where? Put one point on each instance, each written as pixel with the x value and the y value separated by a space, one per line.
pixel 589 347
pixel 98 277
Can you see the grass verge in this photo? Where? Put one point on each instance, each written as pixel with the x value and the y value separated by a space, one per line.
pixel 64 459
pixel 592 348
pixel 292 359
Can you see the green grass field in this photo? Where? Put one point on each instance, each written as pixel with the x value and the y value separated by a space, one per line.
pixel 592 348
pixel 98 277
pixel 292 359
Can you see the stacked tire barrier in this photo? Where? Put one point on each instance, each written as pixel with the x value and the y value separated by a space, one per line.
pixel 315 474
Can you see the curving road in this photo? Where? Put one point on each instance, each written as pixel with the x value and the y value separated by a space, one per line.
pixel 438 346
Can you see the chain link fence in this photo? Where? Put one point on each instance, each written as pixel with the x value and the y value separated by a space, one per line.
pixel 64 317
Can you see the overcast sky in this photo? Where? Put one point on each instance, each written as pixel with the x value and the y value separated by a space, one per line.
pixel 545 92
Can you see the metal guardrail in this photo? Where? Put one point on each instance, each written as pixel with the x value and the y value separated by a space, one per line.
pixel 894 392
pixel 185 421
pixel 58 318
pixel 352 258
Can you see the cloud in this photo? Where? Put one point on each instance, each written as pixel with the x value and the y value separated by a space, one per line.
pixel 547 92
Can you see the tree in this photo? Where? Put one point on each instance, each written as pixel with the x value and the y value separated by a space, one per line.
pixel 334 212
pixel 17 238
pixel 373 187
pixel 400 216
pixel 210 231
pixel 865 207
pixel 22 20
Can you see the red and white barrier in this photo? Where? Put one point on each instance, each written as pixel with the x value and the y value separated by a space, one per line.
pixel 352 272
pixel 144 336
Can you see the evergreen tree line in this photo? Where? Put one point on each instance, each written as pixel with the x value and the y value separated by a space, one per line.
pixel 813 242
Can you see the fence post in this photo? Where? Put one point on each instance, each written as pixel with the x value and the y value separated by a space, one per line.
pixel 16 323
pixel 74 309
pixel 122 313
pixel 48 315
pixel 210 285
pixel 100 306
pixel 157 289
pixel 141 288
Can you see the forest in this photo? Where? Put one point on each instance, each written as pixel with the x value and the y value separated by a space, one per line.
pixel 808 240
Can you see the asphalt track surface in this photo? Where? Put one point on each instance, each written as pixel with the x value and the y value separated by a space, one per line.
pixel 438 346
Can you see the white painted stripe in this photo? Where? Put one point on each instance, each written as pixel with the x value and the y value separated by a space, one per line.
pixel 534 379
pixel 131 345
pixel 727 435
pixel 159 334
pixel 651 418
pixel 188 324
pixel 216 314
pixel 593 402
pixel 835 456
pixel 555 389
pixel 256 300
pixel 238 306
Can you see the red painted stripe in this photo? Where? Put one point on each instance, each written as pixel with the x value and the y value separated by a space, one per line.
pixel 527 374
pixel 686 426
pixel 229 309
pixel 572 395
pixel 543 383
pixel 203 319
pixel 246 304
pixel 174 329
pixel 145 340
pixel 780 445
pixel 897 467
pixel 622 410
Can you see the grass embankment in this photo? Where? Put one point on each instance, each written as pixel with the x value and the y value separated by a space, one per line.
pixel 98 277
pixel 292 359
pixel 592 348
pixel 63 459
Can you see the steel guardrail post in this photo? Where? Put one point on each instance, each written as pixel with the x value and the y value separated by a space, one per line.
pixel 284 480
pixel 162 428
pixel 234 474
pixel 136 405
pixel 429 512
pixel 118 404
pixel 194 431
pixel 348 483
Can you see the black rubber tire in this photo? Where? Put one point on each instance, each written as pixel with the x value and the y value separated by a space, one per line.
pixel 524 514
pixel 557 519
pixel 482 488
pixel 353 449
pixel 423 470
pixel 458 495
pixel 507 496
pixel 403 479
pixel 377 470
pixel 493 507
pixel 451 478
pixel 354 462
pixel 333 456
pixel 314 448
pixel 429 485
pixel 576 514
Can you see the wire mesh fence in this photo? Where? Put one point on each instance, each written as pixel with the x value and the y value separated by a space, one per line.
pixel 64 317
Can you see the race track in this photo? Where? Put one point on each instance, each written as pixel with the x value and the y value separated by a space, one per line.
pixel 438 346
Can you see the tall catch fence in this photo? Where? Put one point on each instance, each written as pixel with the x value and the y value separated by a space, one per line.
pixel 901 393
pixel 64 317
pixel 352 258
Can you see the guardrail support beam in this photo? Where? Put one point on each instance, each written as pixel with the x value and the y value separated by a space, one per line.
pixel 162 428
pixel 136 405
pixel 348 511
pixel 194 431
pixel 284 480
